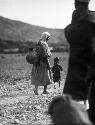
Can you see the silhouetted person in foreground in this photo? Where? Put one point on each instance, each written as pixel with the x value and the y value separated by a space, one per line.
pixel 79 34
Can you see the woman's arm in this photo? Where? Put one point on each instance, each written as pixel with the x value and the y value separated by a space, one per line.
pixel 46 50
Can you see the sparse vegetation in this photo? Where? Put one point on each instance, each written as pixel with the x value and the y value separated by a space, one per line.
pixel 18 104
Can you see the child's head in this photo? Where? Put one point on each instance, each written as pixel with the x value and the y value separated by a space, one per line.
pixel 65 111
pixel 56 60
pixel 31 49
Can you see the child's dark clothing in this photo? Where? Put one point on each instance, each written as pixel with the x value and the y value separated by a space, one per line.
pixel 56 72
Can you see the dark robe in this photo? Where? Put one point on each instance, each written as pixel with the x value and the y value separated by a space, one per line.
pixel 79 34
pixel 56 69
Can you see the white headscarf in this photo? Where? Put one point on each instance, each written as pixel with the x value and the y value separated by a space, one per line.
pixel 45 35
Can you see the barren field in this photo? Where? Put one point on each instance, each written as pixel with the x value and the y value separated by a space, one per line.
pixel 18 103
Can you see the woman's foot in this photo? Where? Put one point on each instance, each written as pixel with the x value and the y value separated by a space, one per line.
pixel 45 92
pixel 54 87
pixel 36 92
pixel 59 84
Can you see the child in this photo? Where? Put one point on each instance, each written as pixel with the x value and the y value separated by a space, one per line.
pixel 65 111
pixel 56 71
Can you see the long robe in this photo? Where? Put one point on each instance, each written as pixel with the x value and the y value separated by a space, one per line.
pixel 40 72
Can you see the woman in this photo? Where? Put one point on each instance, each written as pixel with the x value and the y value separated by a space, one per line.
pixel 41 73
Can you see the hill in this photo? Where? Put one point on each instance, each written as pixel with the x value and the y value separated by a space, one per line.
pixel 14 32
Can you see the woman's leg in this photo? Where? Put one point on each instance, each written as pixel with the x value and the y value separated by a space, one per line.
pixel 36 89
pixel 59 83
pixel 54 86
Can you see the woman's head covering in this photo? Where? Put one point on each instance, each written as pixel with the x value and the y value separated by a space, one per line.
pixel 56 60
pixel 45 36
pixel 65 111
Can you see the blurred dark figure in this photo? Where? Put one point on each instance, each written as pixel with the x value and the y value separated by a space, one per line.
pixel 65 111
pixel 56 69
pixel 79 34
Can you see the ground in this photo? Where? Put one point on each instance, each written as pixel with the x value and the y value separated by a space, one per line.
pixel 18 103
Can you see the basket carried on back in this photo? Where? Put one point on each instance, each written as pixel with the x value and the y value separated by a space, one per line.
pixel 32 57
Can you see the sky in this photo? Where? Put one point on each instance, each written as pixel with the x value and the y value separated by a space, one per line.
pixel 48 13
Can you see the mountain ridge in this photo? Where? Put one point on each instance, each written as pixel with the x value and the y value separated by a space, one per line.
pixel 17 34
pixel 21 31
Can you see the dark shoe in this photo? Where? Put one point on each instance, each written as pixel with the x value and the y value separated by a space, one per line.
pixel 36 92
pixel 45 92
pixel 54 87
